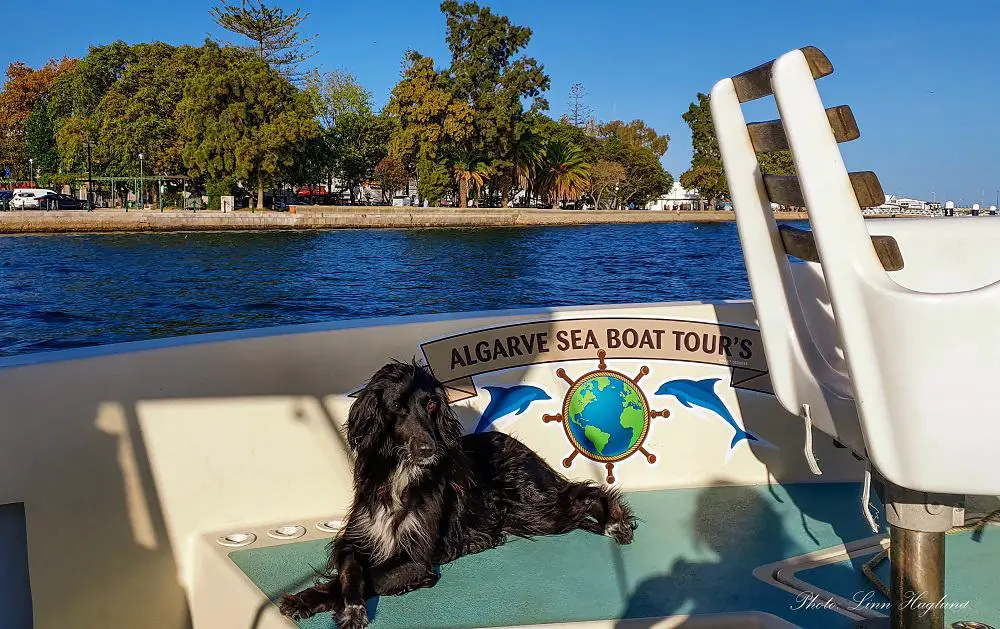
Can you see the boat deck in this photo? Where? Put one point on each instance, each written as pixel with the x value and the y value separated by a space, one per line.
pixel 695 553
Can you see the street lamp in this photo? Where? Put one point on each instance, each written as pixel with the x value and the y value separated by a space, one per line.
pixel 90 179
pixel 31 172
pixel 142 185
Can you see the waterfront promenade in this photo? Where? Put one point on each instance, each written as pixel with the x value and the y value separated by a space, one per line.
pixel 348 217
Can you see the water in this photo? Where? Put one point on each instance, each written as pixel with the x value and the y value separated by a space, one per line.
pixel 76 290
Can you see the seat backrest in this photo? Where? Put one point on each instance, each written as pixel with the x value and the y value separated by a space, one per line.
pixel 917 350
pixel 924 363
pixel 801 340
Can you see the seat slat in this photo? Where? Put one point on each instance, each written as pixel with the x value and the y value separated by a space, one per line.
pixel 756 83
pixel 786 190
pixel 801 244
pixel 770 135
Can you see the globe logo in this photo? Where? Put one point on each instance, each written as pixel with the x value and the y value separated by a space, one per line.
pixel 606 416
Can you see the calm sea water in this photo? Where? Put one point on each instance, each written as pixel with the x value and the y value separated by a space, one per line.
pixel 77 290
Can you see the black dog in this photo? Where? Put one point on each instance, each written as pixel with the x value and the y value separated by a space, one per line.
pixel 424 496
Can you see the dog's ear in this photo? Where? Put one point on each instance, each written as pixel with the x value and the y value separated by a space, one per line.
pixel 366 419
pixel 449 427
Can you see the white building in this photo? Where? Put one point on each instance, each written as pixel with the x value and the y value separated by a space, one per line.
pixel 678 198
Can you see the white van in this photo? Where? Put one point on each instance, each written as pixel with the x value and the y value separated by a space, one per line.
pixel 27 198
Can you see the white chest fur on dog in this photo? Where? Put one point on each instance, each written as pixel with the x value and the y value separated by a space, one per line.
pixel 386 527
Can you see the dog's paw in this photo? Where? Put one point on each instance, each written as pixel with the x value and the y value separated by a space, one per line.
pixel 353 617
pixel 621 532
pixel 294 607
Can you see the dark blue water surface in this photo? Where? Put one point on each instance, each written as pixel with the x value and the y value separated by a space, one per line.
pixel 76 290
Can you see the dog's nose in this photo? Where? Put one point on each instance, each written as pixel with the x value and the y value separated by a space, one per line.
pixel 424 450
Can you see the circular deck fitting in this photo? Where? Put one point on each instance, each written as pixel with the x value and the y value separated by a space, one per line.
pixel 291 531
pixel 330 526
pixel 236 540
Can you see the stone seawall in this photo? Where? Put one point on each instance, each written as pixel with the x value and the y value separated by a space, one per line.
pixel 318 217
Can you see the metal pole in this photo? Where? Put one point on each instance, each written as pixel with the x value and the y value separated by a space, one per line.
pixel 917 561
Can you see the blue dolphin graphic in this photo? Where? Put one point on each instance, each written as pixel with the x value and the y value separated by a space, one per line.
pixel 503 402
pixel 701 393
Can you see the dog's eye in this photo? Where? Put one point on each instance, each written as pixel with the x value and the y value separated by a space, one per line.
pixel 432 405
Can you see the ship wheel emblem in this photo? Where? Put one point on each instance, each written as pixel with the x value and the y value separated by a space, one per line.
pixel 605 415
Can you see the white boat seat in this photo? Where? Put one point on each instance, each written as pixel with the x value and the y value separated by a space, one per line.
pixel 920 351
pixel 801 342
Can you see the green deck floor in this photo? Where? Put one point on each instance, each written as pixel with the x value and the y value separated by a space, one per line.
pixel 693 554
pixel 972 569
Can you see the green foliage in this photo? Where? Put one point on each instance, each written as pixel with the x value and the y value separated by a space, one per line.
pixel 605 178
pixel 490 73
pixel 275 34
pixel 645 178
pixel 635 134
pixel 336 93
pixel 707 173
pixel 241 118
pixel 138 114
pixel 79 91
pixel 215 189
pixel 41 139
pixel 471 173
pixel 434 182
pixel 430 120
pixel 358 141
pixel 564 172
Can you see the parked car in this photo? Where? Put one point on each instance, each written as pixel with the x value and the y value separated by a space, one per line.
pixel 5 197
pixel 402 200
pixel 57 201
pixel 27 198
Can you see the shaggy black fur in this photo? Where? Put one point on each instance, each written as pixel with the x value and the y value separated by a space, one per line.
pixel 424 496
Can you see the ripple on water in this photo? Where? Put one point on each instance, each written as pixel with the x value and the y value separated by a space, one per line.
pixel 74 291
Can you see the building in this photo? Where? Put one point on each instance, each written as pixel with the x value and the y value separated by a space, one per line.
pixel 902 205
pixel 678 198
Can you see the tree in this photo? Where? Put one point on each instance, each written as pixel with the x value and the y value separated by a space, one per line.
pixel 605 178
pixel 579 112
pixel 240 118
pixel 392 176
pixel 336 93
pixel 358 142
pixel 23 91
pixel 40 139
pixel 356 137
pixel 275 34
pixel 430 121
pixel 635 134
pixel 79 91
pixel 637 148
pixel 138 114
pixel 491 73
pixel 433 181
pixel 528 157
pixel 707 174
pixel 471 172
pixel 564 173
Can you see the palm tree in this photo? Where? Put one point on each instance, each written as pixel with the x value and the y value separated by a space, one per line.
pixel 565 172
pixel 528 156
pixel 472 171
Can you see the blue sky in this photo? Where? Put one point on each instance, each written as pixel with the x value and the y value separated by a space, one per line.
pixel 922 77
